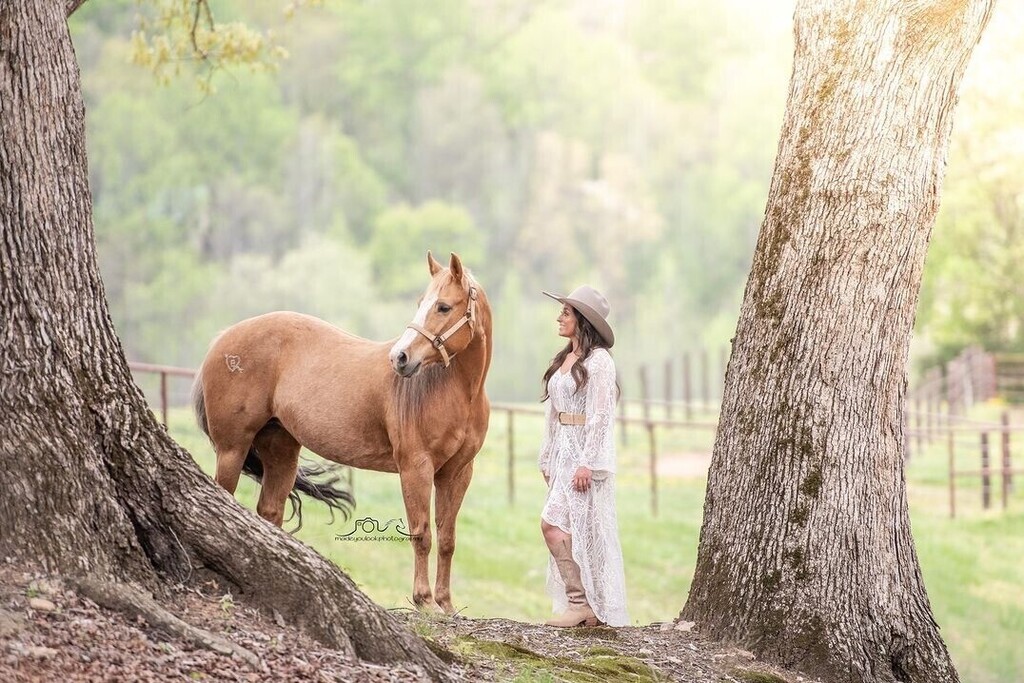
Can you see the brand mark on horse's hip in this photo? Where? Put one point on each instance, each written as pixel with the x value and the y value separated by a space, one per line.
pixel 234 362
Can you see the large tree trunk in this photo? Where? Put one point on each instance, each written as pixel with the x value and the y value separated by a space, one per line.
pixel 806 555
pixel 92 484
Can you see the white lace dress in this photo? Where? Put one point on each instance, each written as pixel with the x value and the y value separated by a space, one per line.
pixel 588 517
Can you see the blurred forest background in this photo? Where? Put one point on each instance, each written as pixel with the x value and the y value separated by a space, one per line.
pixel 548 142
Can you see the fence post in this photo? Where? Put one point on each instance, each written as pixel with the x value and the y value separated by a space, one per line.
pixel 992 375
pixel 929 406
pixel 944 404
pixel 511 457
pixel 986 473
pixel 1007 474
pixel 952 475
pixel 687 396
pixel 918 422
pixel 163 395
pixel 668 388
pixel 705 390
pixel 952 390
pixel 652 462
pixel 906 434
pixel 967 377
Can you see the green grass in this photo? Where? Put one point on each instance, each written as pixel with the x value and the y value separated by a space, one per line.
pixel 972 565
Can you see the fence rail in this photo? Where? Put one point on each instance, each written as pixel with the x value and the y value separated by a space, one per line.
pixel 936 409
pixel 986 471
pixel 648 423
pixel 164 371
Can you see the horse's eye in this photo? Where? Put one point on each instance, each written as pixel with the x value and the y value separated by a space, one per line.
pixel 443 308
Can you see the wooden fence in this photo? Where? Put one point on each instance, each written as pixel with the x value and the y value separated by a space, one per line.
pixel 984 443
pixel 648 423
pixel 164 372
pixel 690 382
pixel 1008 371
pixel 936 409
pixel 650 426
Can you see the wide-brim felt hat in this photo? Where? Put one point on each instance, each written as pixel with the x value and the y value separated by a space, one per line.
pixel 592 305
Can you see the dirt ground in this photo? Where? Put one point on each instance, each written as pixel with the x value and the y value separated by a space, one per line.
pixel 48 632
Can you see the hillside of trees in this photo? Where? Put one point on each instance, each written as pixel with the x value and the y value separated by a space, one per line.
pixel 549 143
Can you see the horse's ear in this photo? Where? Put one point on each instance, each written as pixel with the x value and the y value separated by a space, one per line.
pixel 433 264
pixel 455 265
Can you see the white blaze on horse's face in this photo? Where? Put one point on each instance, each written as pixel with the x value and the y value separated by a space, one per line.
pixel 399 355
pixel 428 338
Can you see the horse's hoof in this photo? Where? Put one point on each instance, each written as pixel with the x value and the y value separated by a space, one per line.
pixel 428 606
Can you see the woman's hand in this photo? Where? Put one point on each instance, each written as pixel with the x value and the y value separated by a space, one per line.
pixel 581 480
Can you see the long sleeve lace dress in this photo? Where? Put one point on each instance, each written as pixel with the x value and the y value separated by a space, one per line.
pixel 589 517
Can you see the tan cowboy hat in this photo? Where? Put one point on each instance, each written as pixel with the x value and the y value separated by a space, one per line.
pixel 592 305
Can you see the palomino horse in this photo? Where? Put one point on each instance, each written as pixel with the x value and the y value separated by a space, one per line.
pixel 416 406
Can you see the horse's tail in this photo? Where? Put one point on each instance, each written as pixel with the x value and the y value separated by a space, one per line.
pixel 199 403
pixel 320 482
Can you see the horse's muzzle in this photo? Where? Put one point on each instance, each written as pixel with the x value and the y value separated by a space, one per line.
pixel 407 370
pixel 400 363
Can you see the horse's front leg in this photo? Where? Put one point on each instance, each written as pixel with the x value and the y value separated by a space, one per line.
pixel 417 476
pixel 451 483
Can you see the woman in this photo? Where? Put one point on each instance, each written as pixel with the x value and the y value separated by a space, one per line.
pixel 577 458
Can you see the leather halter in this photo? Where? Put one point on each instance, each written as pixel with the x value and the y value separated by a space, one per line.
pixel 438 340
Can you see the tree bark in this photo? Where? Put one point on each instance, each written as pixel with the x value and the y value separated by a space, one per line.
pixel 92 484
pixel 806 555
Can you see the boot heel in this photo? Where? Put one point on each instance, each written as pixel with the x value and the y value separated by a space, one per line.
pixel 591 621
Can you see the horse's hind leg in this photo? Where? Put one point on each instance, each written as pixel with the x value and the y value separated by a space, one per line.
pixel 230 460
pixel 450 483
pixel 279 452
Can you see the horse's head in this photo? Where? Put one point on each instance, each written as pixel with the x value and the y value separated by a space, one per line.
pixel 445 322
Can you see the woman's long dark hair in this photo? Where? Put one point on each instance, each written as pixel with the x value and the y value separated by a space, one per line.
pixel 589 339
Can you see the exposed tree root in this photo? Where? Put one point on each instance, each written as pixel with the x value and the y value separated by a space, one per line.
pixel 135 603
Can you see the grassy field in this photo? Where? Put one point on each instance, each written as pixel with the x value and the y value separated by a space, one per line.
pixel 973 565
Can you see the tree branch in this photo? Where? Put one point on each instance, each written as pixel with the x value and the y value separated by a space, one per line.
pixel 202 7
pixel 73 5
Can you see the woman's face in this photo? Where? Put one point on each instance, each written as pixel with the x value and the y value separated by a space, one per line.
pixel 567 322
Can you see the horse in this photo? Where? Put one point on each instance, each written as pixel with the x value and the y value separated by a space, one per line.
pixel 415 406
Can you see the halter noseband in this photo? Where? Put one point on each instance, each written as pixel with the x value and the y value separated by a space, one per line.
pixel 438 340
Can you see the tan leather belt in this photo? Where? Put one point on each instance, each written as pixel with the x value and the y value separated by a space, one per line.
pixel 572 418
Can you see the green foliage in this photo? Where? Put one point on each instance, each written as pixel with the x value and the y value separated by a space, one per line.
pixel 175 37
pixel 402 235
pixel 681 68
pixel 550 54
pixel 542 141
pixel 628 148
pixel 973 289
pixel 392 49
